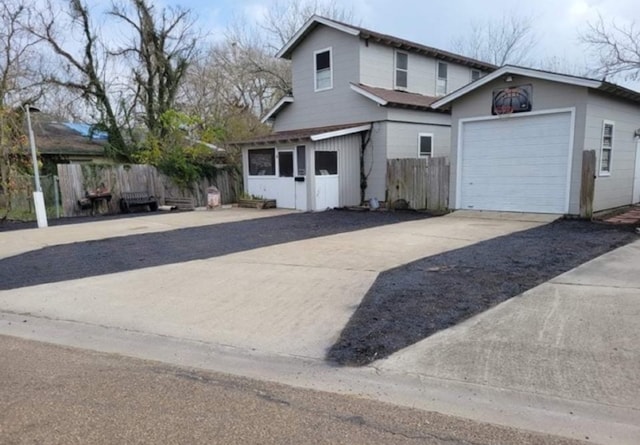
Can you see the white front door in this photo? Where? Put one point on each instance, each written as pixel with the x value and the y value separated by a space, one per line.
pixel 636 177
pixel 286 196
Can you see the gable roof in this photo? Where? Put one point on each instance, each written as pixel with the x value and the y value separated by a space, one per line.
pixel 306 134
pixel 284 101
pixel 586 82
pixel 377 37
pixel 394 98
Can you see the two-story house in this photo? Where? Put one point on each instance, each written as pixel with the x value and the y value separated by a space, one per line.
pixel 359 98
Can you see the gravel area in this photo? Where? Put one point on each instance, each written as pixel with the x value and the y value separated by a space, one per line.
pixel 92 258
pixel 412 302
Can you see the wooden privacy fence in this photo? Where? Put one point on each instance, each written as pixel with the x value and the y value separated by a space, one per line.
pixel 76 180
pixel 422 183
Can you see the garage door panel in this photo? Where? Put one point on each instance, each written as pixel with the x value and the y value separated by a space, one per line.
pixel 516 164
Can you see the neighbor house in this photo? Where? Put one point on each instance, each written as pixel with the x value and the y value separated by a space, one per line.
pixel 519 136
pixel 359 98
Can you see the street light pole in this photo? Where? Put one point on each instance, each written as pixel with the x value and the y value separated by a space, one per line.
pixel 38 197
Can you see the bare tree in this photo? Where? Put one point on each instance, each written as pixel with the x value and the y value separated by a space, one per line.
pixel 617 48
pixel 285 18
pixel 507 40
pixel 83 70
pixel 19 85
pixel 163 46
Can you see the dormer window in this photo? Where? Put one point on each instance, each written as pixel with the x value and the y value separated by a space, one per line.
pixel 323 69
pixel 441 81
pixel 402 70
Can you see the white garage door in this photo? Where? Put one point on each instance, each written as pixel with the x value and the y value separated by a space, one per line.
pixel 516 164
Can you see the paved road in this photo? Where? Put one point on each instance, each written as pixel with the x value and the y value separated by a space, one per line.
pixel 55 395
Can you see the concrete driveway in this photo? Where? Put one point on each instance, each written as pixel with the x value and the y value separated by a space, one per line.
pixel 290 299
pixel 563 358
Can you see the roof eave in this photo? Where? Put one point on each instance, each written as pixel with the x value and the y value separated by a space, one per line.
pixel 520 71
pixel 287 49
pixel 276 109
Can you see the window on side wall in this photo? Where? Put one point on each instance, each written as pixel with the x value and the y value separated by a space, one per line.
pixel 441 81
pixel 323 69
pixel 475 75
pixel 606 148
pixel 301 157
pixel 425 145
pixel 402 70
pixel 262 162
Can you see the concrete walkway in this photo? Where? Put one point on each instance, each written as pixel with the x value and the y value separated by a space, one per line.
pixel 563 358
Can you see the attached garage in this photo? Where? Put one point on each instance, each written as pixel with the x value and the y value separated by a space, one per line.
pixel 516 163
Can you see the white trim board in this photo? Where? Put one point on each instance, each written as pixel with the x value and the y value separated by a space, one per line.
pixel 338 133
pixel 283 53
pixel 281 103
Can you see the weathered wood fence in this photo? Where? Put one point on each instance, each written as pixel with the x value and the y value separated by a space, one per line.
pixel 76 180
pixel 422 183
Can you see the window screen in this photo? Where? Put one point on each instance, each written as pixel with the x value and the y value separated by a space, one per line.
pixel 426 145
pixel 326 162
pixel 262 162
pixel 323 70
pixel 285 164
pixel 402 65
pixel 301 154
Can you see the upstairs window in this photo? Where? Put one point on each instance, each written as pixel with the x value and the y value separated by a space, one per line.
pixel 441 81
pixel 425 145
pixel 323 69
pixel 475 75
pixel 606 148
pixel 402 70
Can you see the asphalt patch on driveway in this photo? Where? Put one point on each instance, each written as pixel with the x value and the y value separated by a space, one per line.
pixel 91 258
pixel 409 303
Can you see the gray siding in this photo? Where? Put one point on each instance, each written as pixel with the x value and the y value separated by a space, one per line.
pixel 402 139
pixel 377 68
pixel 375 162
pixel 339 105
pixel 546 96
pixel 616 189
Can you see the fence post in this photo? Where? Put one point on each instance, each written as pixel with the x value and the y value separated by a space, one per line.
pixel 588 183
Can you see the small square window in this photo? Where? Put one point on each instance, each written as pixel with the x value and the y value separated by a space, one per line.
pixel 425 145
pixel 475 75
pixel 326 162
pixel 262 162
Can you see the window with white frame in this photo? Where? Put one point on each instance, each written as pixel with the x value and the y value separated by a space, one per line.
pixel 475 75
pixel 402 70
pixel 441 81
pixel 323 69
pixel 425 145
pixel 606 148
pixel 262 162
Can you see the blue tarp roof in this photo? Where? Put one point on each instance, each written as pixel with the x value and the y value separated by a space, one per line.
pixel 85 130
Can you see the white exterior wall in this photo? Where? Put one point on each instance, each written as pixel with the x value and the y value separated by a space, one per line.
pixel 546 95
pixel 613 190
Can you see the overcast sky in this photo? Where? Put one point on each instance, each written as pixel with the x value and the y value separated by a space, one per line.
pixel 557 23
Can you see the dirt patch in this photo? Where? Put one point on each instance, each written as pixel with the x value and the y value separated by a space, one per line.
pixel 413 301
pixel 92 258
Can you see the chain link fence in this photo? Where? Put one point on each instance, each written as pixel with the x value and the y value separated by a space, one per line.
pixel 17 203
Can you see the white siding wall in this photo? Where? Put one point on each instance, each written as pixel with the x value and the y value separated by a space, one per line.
pixel 614 190
pixel 348 148
pixel 546 95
